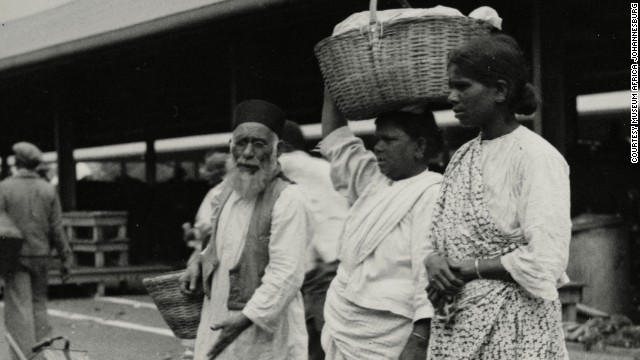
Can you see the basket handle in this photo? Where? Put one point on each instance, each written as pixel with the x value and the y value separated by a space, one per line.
pixel 373 13
pixel 375 28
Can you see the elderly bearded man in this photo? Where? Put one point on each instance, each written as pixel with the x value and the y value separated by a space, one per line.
pixel 376 306
pixel 252 267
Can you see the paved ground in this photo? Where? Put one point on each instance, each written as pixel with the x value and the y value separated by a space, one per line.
pixel 129 327
pixel 121 327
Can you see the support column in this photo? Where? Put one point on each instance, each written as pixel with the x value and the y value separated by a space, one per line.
pixel 66 162
pixel 123 169
pixel 150 159
pixel 553 120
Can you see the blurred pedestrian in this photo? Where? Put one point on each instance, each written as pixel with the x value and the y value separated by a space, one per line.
pixel 329 210
pixel 213 171
pixel 43 170
pixel 502 227
pixel 252 266
pixel 376 306
pixel 33 205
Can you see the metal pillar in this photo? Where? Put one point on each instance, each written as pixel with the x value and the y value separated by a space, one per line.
pixel 150 159
pixel 66 162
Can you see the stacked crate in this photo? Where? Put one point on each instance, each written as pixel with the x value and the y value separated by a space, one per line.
pixel 98 233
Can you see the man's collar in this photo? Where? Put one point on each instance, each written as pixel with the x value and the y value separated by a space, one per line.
pixel 26 173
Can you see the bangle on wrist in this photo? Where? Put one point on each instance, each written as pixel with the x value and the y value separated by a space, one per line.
pixel 420 337
pixel 477 268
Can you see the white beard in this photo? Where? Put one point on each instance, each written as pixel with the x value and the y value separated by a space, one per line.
pixel 248 186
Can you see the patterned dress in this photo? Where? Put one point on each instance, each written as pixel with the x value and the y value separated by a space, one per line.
pixel 492 319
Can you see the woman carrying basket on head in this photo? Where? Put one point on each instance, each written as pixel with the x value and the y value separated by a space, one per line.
pixel 501 228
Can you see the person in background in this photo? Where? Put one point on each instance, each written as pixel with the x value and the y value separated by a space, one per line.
pixel 252 267
pixel 329 210
pixel 43 171
pixel 376 306
pixel 33 205
pixel 213 171
pixel 502 226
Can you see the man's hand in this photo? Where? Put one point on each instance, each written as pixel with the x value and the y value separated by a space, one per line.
pixel 440 275
pixel 65 268
pixel 190 278
pixel 231 329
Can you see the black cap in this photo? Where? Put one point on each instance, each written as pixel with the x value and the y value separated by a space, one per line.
pixel 262 112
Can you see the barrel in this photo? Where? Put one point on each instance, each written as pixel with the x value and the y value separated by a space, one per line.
pixel 600 259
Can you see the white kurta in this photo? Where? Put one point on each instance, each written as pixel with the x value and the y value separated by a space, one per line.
pixel 372 303
pixel 276 308
pixel 329 209
pixel 202 221
pixel 526 188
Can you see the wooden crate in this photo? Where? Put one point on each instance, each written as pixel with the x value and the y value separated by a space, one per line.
pixel 99 222
pixel 570 296
pixel 104 232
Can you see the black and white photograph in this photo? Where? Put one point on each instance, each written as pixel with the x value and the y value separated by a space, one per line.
pixel 319 179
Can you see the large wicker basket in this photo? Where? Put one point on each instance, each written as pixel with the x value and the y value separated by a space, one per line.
pixel 181 312
pixel 392 64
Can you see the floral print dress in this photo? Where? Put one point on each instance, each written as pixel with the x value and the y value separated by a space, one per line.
pixel 492 319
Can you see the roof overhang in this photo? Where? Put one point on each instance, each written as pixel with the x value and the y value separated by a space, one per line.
pixel 85 25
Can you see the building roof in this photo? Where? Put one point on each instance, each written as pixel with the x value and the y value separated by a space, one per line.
pixel 83 25
pixel 133 70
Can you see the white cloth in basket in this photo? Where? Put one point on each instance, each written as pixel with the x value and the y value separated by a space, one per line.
pixel 361 19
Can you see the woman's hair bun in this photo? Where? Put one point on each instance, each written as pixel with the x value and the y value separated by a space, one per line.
pixel 528 100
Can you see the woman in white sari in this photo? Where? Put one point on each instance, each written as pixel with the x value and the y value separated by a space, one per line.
pixel 501 228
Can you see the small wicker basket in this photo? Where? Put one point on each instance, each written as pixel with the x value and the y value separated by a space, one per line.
pixel 389 65
pixel 181 312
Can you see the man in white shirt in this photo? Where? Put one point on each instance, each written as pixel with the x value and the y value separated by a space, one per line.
pixel 329 210
pixel 213 171
pixel 253 264
pixel 376 307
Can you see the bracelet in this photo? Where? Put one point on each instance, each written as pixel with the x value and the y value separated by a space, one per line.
pixel 420 337
pixel 477 269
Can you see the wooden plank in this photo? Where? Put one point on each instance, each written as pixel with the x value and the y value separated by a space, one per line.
pixel 88 222
pixel 91 275
pixel 101 246
pixel 570 296
pixel 94 214
pixel 131 269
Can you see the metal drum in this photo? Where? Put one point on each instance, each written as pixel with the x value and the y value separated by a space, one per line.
pixel 600 259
